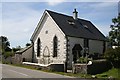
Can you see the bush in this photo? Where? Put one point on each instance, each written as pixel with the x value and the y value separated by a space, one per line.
pixel 113 55
pixel 117 51
pixel 110 54
pixel 99 66
pixel 8 54
pixel 84 59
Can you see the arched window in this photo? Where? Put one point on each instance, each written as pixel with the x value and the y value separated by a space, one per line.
pixel 55 47
pixel 38 47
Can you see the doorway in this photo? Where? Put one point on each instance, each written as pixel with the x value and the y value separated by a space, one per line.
pixel 76 51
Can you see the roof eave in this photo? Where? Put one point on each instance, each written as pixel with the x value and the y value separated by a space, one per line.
pixel 36 29
pixel 87 38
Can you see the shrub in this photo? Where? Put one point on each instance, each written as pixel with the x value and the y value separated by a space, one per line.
pixel 99 66
pixel 84 60
pixel 110 54
pixel 117 51
pixel 8 54
pixel 113 55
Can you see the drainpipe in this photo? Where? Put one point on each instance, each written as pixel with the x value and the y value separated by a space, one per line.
pixel 32 51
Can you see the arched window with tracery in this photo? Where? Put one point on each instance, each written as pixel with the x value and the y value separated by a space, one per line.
pixel 38 47
pixel 55 46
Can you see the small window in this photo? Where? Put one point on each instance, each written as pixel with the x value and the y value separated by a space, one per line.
pixel 71 22
pixel 86 26
pixel 46 32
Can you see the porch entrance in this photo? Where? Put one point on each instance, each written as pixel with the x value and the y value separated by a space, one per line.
pixel 76 51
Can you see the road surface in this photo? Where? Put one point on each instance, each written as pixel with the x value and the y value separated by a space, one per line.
pixel 9 71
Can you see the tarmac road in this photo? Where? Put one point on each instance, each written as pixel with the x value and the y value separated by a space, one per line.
pixel 18 73
pixel 9 71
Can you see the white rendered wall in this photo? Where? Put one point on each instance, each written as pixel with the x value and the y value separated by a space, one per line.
pixel 47 40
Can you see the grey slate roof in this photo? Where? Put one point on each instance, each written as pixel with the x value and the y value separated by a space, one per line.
pixel 76 28
pixel 23 50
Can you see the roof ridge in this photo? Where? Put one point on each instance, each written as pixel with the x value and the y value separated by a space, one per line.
pixel 64 14
pixel 57 13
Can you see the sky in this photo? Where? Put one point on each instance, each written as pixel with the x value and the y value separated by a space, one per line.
pixel 19 18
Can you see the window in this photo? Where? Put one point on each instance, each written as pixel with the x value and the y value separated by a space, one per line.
pixel 46 32
pixel 55 47
pixel 86 43
pixel 86 26
pixel 38 47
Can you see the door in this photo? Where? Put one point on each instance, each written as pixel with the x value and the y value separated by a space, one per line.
pixel 76 51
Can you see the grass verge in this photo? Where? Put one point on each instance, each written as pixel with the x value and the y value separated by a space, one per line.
pixel 112 73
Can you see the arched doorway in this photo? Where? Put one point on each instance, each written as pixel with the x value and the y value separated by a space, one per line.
pixel 76 51
pixel 46 55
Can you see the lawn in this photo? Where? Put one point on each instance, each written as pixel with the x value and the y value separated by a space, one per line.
pixel 114 72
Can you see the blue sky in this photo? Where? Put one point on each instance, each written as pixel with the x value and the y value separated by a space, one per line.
pixel 19 19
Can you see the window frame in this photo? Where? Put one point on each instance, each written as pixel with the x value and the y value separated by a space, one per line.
pixel 38 47
pixel 55 46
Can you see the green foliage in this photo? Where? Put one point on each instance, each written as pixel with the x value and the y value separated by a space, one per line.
pixel 84 60
pixel 111 73
pixel 112 54
pixel 16 48
pixel 5 44
pixel 8 54
pixel 117 51
pixel 28 44
pixel 114 34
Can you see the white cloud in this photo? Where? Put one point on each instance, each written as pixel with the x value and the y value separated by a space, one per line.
pixel 52 1
pixel 99 13
pixel 55 2
pixel 0 18
pixel 20 20
pixel 19 24
pixel 104 28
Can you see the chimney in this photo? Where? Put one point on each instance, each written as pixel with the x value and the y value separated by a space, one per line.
pixel 75 14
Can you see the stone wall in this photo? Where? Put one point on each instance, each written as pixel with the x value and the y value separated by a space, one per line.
pixel 79 68
pixel 95 68
pixel 57 67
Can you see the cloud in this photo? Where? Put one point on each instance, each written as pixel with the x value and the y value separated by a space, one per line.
pixel 119 7
pixel 0 18
pixel 20 19
pixel 100 14
pixel 104 28
pixel 19 24
pixel 54 2
pixel 57 1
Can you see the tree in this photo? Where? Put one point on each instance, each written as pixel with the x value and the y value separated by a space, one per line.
pixel 17 48
pixel 5 44
pixel 28 44
pixel 114 34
